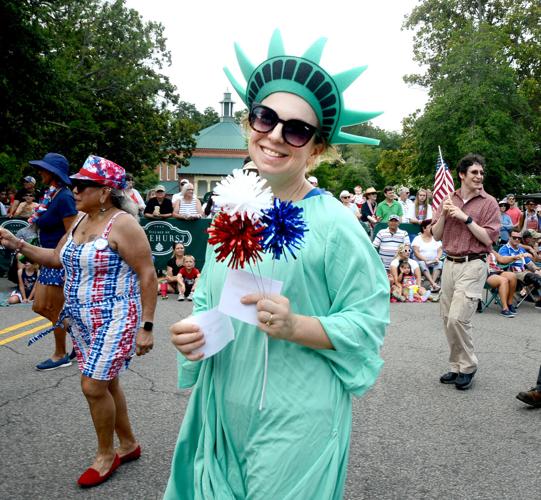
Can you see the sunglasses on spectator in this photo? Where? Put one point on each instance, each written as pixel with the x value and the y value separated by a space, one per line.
pixel 82 185
pixel 513 237
pixel 296 133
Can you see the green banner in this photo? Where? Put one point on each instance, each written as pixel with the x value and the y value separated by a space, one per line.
pixel 163 234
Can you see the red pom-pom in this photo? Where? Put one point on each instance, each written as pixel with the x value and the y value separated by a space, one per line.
pixel 236 238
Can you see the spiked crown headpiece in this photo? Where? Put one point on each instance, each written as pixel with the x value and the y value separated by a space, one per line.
pixel 303 76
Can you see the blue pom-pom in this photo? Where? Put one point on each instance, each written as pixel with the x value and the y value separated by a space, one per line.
pixel 284 229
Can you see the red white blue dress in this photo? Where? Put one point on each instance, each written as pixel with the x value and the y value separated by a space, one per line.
pixel 103 305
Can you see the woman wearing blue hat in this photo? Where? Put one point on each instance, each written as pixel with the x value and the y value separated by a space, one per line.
pixel 325 329
pixel 53 217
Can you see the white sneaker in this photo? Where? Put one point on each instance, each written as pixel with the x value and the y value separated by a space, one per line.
pixel 190 297
pixel 180 297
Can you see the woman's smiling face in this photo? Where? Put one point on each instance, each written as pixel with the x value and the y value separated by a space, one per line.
pixel 272 155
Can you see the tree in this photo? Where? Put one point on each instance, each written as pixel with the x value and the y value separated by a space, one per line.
pixel 83 77
pixel 480 73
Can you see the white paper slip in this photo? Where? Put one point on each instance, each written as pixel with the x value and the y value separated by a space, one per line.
pixel 217 329
pixel 240 283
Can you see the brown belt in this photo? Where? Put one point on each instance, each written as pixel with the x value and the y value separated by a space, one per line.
pixel 467 258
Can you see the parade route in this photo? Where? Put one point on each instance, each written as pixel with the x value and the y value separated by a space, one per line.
pixel 412 437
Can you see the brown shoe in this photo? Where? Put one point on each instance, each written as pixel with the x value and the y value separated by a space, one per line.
pixel 532 397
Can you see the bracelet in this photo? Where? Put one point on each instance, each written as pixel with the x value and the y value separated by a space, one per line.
pixel 19 247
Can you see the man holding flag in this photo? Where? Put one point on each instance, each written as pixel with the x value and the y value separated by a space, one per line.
pixel 468 222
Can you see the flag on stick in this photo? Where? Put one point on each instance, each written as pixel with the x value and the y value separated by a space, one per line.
pixel 443 182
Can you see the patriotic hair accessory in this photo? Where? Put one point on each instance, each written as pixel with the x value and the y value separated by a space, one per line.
pixel 102 171
pixel 303 76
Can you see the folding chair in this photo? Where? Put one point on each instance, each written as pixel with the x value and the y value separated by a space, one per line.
pixel 525 293
pixel 491 295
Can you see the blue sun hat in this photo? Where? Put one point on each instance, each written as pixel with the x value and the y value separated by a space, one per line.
pixel 303 76
pixel 56 164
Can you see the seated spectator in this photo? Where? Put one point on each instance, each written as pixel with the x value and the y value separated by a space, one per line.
pixel 387 240
pixel 420 209
pixel 503 281
pixel 188 207
pixel 346 199
pixel 407 204
pixel 389 206
pixel 27 276
pixel 506 224
pixel 530 243
pixel 190 275
pixel 428 253
pixel 159 207
pixel 29 186
pixel 403 253
pixel 409 285
pixel 368 210
pixel 170 282
pixel 134 195
pixel 26 208
pixel 522 265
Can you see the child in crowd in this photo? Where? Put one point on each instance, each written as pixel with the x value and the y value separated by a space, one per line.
pixel 190 275
pixel 28 276
pixel 408 286
pixel 26 207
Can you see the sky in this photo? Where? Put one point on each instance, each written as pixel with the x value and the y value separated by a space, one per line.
pixel 201 33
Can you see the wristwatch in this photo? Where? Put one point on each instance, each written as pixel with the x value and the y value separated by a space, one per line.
pixel 148 326
pixel 469 220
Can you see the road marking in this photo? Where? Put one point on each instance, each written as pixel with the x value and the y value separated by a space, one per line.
pixel 20 325
pixel 25 333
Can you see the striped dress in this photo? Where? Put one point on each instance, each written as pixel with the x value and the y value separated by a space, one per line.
pixel 103 305
pixel 188 208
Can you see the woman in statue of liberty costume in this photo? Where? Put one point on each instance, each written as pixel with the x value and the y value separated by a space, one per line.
pixel 325 329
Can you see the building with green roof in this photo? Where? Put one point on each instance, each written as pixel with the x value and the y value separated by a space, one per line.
pixel 220 149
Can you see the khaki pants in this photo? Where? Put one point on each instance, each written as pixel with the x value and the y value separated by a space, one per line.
pixel 462 286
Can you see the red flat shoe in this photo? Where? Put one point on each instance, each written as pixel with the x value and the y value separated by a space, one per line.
pixel 131 456
pixel 91 477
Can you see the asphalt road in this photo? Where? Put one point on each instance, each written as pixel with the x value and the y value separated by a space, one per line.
pixel 412 437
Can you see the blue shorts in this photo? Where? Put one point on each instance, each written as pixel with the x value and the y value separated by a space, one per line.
pixel 51 276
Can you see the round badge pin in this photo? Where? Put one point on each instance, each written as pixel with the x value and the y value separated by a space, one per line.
pixel 100 244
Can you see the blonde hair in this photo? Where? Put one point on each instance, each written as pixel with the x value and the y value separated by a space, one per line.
pixel 189 257
pixel 416 203
pixel 401 248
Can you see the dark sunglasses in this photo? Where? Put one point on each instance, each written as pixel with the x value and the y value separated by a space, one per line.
pixel 296 133
pixel 515 237
pixel 82 185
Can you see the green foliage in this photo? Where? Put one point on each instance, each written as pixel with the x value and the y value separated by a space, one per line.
pixel 483 73
pixel 83 77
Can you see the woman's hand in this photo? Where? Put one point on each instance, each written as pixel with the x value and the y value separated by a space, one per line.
pixel 274 315
pixel 144 342
pixel 187 337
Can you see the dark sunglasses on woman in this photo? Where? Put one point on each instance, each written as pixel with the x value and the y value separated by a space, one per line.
pixel 82 185
pixel 296 133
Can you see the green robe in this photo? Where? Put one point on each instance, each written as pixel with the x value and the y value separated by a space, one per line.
pixel 297 446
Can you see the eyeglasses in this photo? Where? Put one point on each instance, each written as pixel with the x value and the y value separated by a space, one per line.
pixel 82 185
pixel 477 172
pixel 515 237
pixel 296 133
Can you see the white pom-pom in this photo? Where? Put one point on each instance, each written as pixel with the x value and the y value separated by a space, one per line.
pixel 243 193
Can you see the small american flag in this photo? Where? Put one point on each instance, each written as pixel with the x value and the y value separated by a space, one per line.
pixel 443 182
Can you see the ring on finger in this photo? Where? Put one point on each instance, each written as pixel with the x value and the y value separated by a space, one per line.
pixel 269 321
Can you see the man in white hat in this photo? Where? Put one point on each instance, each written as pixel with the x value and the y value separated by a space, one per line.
pixel 313 180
